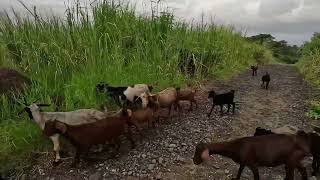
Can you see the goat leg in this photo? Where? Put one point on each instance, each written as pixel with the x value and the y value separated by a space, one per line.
pixel 169 111
pixel 136 124
pixel 56 148
pixel 128 135
pixel 177 104
pixel 289 173
pixel 152 121
pixel 190 108
pixel 116 143
pixel 221 109
pixel 76 158
pixel 255 172
pixel 303 172
pixel 239 172
pixel 267 84
pixel 195 102
pixel 315 165
pixel 233 107
pixel 211 110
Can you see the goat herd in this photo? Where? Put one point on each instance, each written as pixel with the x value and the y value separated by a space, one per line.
pixel 85 128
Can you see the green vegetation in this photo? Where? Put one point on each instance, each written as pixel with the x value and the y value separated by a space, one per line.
pixel 67 58
pixel 309 66
pixel 281 50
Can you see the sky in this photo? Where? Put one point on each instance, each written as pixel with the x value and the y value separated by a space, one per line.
pixel 292 20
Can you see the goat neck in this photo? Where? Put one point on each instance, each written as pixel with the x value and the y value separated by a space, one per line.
pixel 37 115
pixel 227 149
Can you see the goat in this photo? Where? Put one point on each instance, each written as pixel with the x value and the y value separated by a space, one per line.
pixel 145 115
pixel 123 93
pixel 221 99
pixel 136 90
pixel 164 99
pixel 187 95
pixel 116 93
pixel 314 139
pixel 265 80
pixel 84 136
pixel 81 116
pixel 254 69
pixel 260 151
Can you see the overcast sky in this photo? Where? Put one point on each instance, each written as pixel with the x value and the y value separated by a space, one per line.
pixel 290 20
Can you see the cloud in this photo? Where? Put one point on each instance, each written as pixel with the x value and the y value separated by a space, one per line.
pixel 291 20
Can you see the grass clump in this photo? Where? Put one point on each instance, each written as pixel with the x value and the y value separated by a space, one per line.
pixel 309 66
pixel 68 58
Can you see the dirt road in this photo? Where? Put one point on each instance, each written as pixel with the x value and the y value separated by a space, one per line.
pixel 166 152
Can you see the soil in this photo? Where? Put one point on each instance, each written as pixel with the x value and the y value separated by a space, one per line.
pixel 166 152
pixel 12 81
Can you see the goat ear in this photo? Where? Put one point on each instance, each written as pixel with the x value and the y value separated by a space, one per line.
pixel 60 126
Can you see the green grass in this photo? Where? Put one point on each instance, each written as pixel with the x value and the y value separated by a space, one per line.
pixel 309 65
pixel 68 58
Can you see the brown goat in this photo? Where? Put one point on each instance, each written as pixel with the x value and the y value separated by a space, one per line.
pixel 260 151
pixel 85 136
pixel 165 99
pixel 254 69
pixel 187 95
pixel 145 115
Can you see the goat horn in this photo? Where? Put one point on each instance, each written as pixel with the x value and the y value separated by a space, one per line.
pixel 43 105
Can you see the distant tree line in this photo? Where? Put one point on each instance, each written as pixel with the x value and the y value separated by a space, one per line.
pixel 281 50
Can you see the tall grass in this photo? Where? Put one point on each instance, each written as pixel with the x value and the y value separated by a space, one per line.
pixel 68 58
pixel 309 66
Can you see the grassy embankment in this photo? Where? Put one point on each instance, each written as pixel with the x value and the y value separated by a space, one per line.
pixel 309 65
pixel 67 58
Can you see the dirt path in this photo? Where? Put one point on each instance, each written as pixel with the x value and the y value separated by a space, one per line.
pixel 166 152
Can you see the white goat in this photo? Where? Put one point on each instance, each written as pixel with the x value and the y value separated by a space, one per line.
pixel 78 117
pixel 136 90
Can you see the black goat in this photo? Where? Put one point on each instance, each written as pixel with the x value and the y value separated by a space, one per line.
pixel 115 92
pixel 254 70
pixel 265 79
pixel 221 99
pixel 315 147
